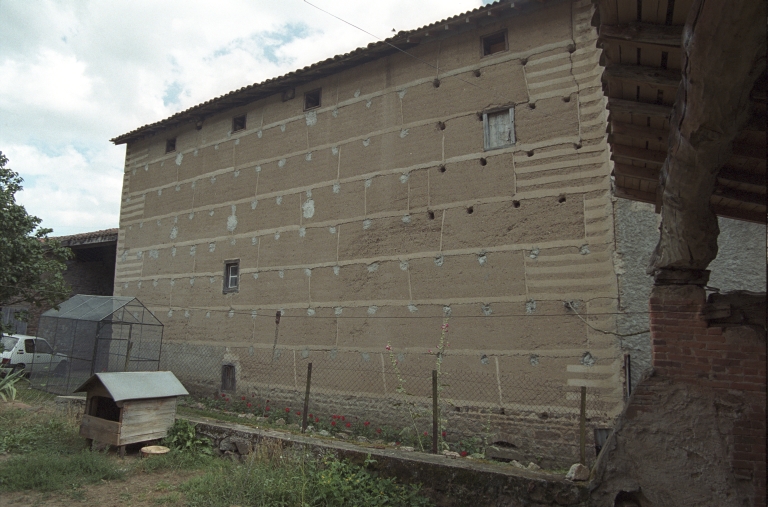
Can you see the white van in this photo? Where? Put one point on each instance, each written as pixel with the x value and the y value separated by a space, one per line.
pixel 21 352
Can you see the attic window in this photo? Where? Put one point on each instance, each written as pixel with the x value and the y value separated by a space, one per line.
pixel 499 128
pixel 312 99
pixel 170 145
pixel 238 123
pixel 231 276
pixel 494 43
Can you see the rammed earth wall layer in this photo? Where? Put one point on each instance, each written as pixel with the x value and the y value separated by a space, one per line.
pixel 369 220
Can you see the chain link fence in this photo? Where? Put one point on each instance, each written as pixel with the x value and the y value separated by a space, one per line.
pixel 376 398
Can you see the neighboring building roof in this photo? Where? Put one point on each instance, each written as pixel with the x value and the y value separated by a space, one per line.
pixel 89 238
pixel 400 42
pixel 118 309
pixel 138 385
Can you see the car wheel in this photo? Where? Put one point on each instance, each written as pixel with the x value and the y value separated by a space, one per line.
pixel 61 369
pixel 18 367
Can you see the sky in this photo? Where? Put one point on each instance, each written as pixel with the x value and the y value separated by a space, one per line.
pixel 74 74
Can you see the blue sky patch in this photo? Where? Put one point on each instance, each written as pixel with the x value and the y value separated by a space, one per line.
pixel 267 44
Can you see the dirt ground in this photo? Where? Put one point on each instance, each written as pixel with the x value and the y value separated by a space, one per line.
pixel 137 490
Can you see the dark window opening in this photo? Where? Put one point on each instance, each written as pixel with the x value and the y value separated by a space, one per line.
pixel 288 94
pixel 238 123
pixel 231 276
pixel 170 145
pixel 104 408
pixel 228 378
pixel 494 43
pixel 312 99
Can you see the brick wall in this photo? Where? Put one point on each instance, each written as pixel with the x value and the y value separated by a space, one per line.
pixel 730 362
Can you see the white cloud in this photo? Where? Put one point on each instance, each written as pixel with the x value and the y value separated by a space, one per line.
pixel 75 74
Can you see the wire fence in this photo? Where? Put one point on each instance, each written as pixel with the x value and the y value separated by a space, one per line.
pixel 377 399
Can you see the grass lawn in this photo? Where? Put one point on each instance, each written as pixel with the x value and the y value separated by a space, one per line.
pixel 43 461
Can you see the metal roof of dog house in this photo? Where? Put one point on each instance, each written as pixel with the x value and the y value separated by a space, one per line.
pixel 137 385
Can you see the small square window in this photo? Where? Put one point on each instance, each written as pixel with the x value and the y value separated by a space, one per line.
pixel 288 94
pixel 231 276
pixel 238 123
pixel 494 43
pixel 499 128
pixel 312 99
pixel 170 145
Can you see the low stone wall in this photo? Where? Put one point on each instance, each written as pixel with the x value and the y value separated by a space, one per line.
pixel 449 482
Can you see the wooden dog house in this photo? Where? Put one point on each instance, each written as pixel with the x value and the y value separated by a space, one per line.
pixel 128 407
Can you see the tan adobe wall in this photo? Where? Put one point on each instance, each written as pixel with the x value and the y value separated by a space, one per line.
pixel 354 218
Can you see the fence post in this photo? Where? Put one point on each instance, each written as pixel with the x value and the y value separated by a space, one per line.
pixel 434 412
pixel 306 399
pixel 583 427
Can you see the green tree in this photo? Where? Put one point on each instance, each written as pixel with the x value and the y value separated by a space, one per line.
pixel 31 263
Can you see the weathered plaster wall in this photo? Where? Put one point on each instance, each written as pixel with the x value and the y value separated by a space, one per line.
pixel 740 265
pixel 371 219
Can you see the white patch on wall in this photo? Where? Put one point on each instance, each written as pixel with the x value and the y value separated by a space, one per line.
pixel 174 232
pixel 584 250
pixel 255 276
pixel 413 308
pixel 277 236
pixel 232 220
pixel 154 282
pixel 302 232
pixel 193 250
pixel 403 133
pixel 146 167
pixel 486 310
pixel 282 128
pixel 159 223
pixel 334 150
pixel 211 247
pixel 404 265
pixel 231 314
pixel 368 183
pixel 194 183
pixel 279 200
pixel 482 258
pixel 192 281
pixel 367 223
pixel 160 192
pixel 176 219
pixel 336 188
pixel 139 255
pixel 213 180
pixel 534 359
pixel 125 285
pixel 179 158
pixel 237 141
pixel 368 103
pixel 195 152
pixel 336 270
pixel 178 187
pixel 281 274
pixel 357 93
pixel 173 252
pixel 133 173
pixel 439 260
pixel 305 353
pixel 401 93
pixel 372 309
pixel 337 311
pixel 530 306
pixel 335 113
pixel 236 174
pixel 372 268
pixel 216 146
pixel 310 312
pixel 154 254
pixel 484 359
pixel 308 208
pixel 311 117
pixel 253 314
pixel 534 253
pixel 406 219
pixel 332 230
pixel 207 315
pixel 254 241
pixel 139 284
pixel 307 272
pixel 232 241
pixel 211 279
pixel 588 359
pixel 308 156
pixel 259 134
pixel 141 225
pixel 254 203
pixel 173 282
pixel 281 162
pixel 170 313
pixel 447 311
pixel 186 314
pixel 257 168
pixel 366 142
pixel 124 256
pixel 404 177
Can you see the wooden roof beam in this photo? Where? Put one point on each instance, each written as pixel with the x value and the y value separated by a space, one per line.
pixel 640 108
pixel 639 74
pixel 643 34
pixel 637 154
pixel 639 132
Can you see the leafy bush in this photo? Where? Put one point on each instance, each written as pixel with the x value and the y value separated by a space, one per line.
pixel 182 437
pixel 8 385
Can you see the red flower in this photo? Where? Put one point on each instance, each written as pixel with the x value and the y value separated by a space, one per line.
pixel 287 410
pixel 228 400
pixel 266 408
pixel 311 416
pixel 463 453
pixel 317 419
pixel 342 418
pixel 366 423
pixel 223 395
pixel 425 433
pixel 349 425
pixel 443 434
pixel 298 413
pixel 378 430
pixel 333 423
pixel 242 398
pixel 248 405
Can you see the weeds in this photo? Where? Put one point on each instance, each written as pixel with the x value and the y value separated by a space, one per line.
pixel 49 471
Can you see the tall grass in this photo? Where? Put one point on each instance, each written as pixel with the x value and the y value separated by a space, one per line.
pixel 50 471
